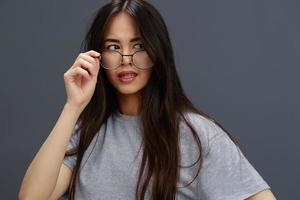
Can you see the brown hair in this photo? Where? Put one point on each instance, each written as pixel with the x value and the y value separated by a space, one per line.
pixel 164 103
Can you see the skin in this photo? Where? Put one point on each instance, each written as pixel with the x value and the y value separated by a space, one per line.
pixel 263 195
pixel 122 27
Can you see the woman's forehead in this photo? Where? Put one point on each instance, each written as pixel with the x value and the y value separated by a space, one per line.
pixel 119 40
pixel 122 27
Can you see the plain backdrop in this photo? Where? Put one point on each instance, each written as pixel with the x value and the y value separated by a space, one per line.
pixel 238 61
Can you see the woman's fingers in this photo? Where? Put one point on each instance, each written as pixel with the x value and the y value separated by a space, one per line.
pixel 80 71
pixel 88 58
pixel 86 65
pixel 88 62
pixel 93 53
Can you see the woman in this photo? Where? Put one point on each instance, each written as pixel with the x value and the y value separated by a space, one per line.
pixel 123 96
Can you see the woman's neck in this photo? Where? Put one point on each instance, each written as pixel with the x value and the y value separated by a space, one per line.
pixel 129 104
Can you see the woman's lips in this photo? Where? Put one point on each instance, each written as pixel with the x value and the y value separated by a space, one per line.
pixel 127 77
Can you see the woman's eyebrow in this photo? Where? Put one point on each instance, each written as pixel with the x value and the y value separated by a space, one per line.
pixel 118 41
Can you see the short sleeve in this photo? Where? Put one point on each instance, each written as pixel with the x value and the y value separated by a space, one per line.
pixel 226 173
pixel 70 161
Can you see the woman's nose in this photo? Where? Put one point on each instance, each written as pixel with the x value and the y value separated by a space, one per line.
pixel 126 59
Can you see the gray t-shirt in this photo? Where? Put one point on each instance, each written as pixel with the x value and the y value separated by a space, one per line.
pixel 109 169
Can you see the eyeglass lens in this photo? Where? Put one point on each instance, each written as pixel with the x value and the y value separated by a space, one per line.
pixel 113 59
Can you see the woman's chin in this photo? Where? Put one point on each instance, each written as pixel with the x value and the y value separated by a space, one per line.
pixel 127 90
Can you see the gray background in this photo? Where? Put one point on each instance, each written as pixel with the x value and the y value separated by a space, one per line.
pixel 238 61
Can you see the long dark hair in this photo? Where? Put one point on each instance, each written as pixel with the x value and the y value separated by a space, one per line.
pixel 164 103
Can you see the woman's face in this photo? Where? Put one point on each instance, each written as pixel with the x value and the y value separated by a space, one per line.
pixel 122 35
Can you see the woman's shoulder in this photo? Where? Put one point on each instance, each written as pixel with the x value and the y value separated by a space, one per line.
pixel 205 126
pixel 206 129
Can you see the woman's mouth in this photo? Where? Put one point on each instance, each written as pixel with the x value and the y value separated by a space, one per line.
pixel 127 77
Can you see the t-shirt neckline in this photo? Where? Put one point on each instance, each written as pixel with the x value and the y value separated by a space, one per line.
pixel 121 116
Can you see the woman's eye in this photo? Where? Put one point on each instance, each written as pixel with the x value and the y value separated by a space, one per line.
pixel 109 46
pixel 141 46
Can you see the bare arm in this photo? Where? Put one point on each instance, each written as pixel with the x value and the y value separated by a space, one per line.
pixel 63 182
pixel 263 195
pixel 46 176
pixel 42 174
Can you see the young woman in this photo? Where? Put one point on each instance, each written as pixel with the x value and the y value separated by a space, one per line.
pixel 128 131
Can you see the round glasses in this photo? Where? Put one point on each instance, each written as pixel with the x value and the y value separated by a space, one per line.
pixel 111 59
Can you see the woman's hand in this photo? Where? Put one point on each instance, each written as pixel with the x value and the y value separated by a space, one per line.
pixel 81 78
